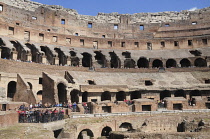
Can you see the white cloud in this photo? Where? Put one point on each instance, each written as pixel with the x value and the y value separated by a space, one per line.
pixel 193 9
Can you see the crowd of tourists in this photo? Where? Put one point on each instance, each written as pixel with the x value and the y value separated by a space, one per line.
pixel 39 113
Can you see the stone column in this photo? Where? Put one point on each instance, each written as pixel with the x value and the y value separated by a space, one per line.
pixel 44 59
pixel 127 97
pixel 14 55
pixel 113 96
pixel 56 60
pixel 69 61
pixel 28 57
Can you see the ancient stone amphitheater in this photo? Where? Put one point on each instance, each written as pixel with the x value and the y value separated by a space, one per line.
pixel 52 55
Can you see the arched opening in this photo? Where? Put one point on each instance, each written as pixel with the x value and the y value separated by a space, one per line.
pixel 57 133
pixel 62 93
pixel 120 96
pixel 86 133
pixel 170 63
pixel 185 63
pixel 49 54
pixel 39 95
pixel 143 63
pixel 21 51
pixel 115 61
pixel 105 96
pixel 74 59
pixel 135 95
pixel 164 94
pixel 129 63
pixel 157 63
pixel 100 58
pixel 74 96
pixel 180 93
pixel 36 55
pixel 200 62
pixel 30 85
pixel 62 57
pixel 85 97
pixel 195 93
pixel 105 131
pixel 87 60
pixel 11 89
pixel 126 126
pixel 5 53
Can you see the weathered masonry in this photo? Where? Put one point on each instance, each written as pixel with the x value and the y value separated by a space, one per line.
pixel 115 63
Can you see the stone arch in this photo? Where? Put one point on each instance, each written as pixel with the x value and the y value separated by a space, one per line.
pixel 74 59
pixel 85 132
pixel 100 58
pixel 135 95
pixel 106 131
pixel 164 94
pixel 143 63
pixel 115 61
pixel 195 93
pixel 62 93
pixel 21 51
pixel 185 63
pixel 36 55
pixel 49 54
pixel 86 60
pixel 85 97
pixel 105 96
pixel 62 57
pixel 39 95
pixel 171 63
pixel 157 63
pixel 129 63
pixel 5 53
pixel 74 96
pixel 180 93
pixel 200 62
pixel 11 89
pixel 120 96
pixel 126 126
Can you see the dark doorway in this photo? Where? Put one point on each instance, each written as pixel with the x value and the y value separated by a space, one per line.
pixel 143 63
pixel 146 107
pixel 74 59
pixel 200 62
pixel 11 89
pixel 100 58
pixel 185 63
pixel 49 54
pixel 120 96
pixel 62 93
pixel 177 106
pixel 106 109
pixel 85 97
pixel 164 94
pixel 4 107
pixel 74 96
pixel 62 57
pixel 87 60
pixel 135 95
pixel 180 93
pixel 5 53
pixel 115 61
pixel 170 63
pixel 57 133
pixel 129 63
pixel 84 133
pixel 105 96
pixel 157 63
pixel 36 55
pixel 127 126
pixel 105 131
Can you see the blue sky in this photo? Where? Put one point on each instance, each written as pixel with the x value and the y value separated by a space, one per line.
pixel 92 7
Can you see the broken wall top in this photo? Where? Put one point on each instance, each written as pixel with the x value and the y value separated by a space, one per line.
pixel 111 17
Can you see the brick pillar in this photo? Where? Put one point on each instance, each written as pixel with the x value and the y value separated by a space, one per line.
pixel 56 60
pixel 69 61
pixel 14 55
pixel 28 57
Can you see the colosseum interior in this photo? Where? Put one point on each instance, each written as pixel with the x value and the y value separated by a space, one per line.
pixel 144 75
